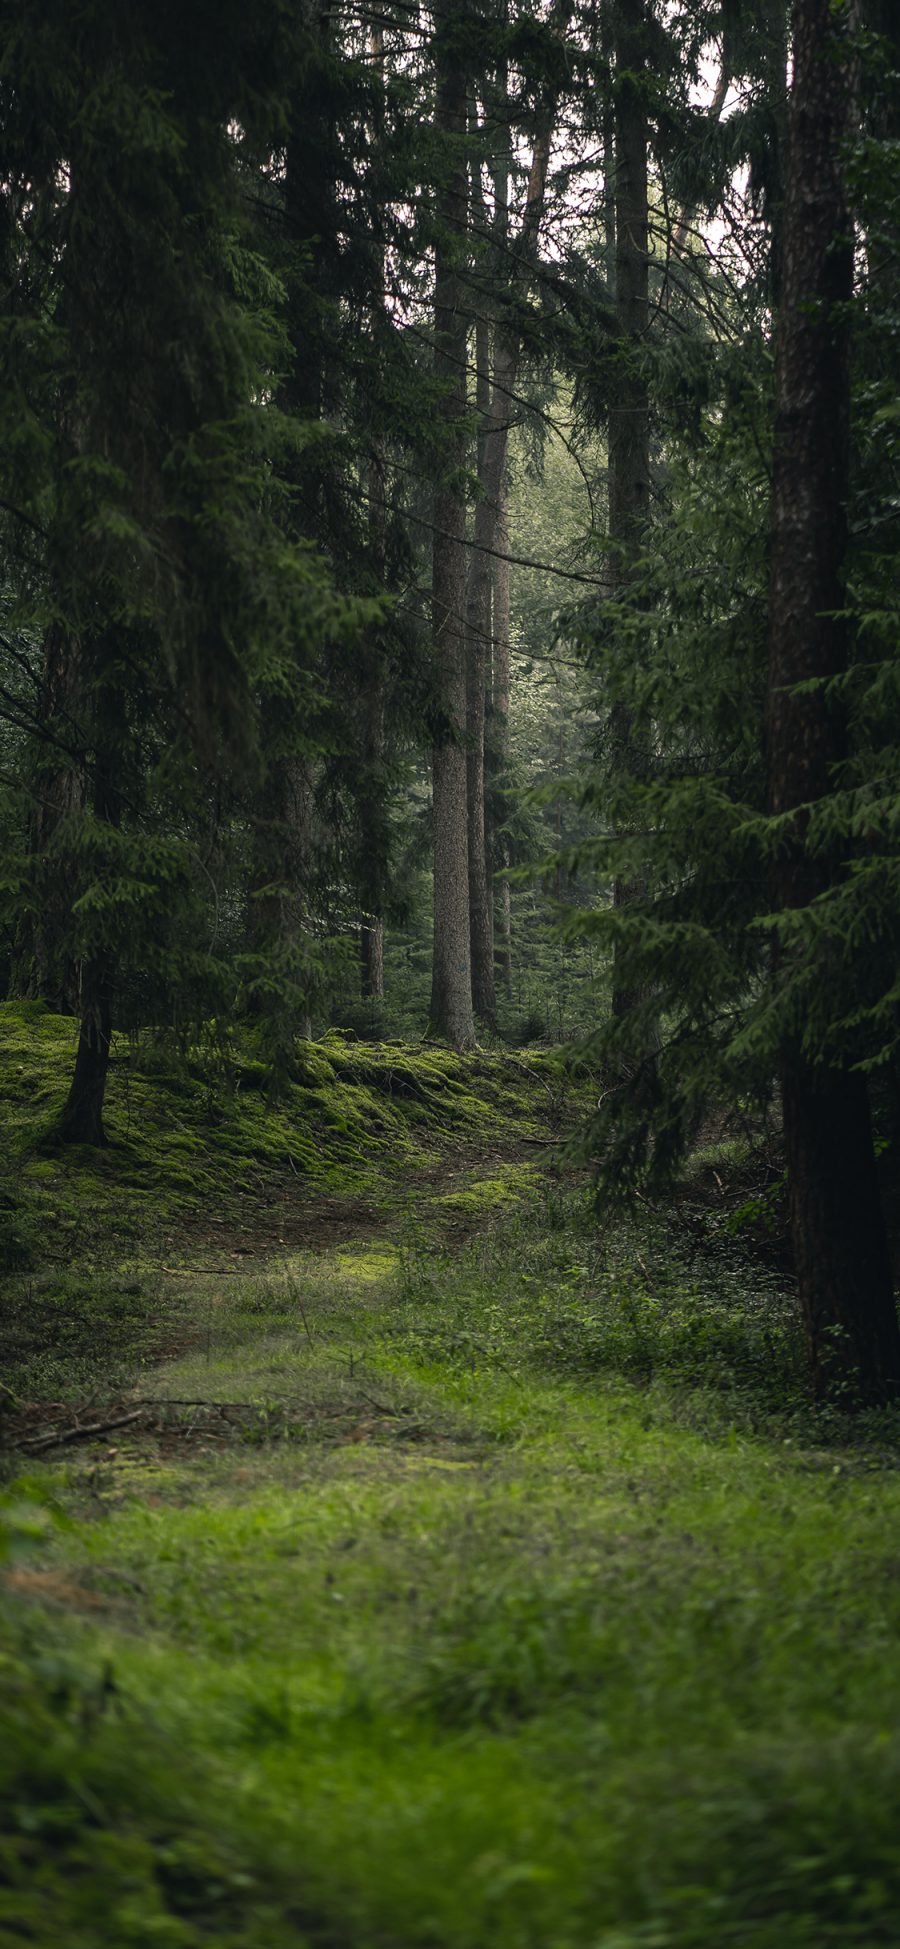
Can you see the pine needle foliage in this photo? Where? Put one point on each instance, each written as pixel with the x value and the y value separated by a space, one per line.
pixel 686 651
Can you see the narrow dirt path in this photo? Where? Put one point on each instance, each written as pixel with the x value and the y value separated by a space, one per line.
pixel 373 1622
pixel 304 1244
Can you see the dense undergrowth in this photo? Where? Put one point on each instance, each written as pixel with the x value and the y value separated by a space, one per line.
pixel 469 1577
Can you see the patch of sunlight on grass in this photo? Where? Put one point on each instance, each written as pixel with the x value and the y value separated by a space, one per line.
pixel 367 1267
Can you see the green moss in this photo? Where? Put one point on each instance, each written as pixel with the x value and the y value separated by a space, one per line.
pixel 366 1267
pixel 184 1134
pixel 193 1135
pixel 500 1192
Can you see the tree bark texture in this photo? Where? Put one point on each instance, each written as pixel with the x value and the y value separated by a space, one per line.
pixel 478 634
pixel 496 409
pixel 837 1224
pixel 507 345
pixel 371 951
pixel 82 1117
pixel 373 833
pixel 372 809
pixel 629 418
pixel 451 1015
pixel 499 740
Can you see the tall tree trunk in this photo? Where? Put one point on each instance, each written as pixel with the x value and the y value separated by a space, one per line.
pixel 371 954
pixel 371 797
pixel 478 633
pixel 629 418
pixel 82 1117
pixel 507 344
pixel 371 804
pixel 498 740
pixel 500 726
pixel 837 1224
pixel 451 1015
pixel 492 473
pixel 608 141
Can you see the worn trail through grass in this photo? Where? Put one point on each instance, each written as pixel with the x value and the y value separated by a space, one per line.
pixel 397 1616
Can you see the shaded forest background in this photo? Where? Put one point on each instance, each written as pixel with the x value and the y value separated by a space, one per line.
pixel 449 997
pixel 448 535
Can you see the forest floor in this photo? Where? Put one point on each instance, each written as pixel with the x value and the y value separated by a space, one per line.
pixel 425 1568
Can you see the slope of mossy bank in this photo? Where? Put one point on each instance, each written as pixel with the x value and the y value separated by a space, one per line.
pixel 507 1619
pixel 206 1162
pixel 196 1131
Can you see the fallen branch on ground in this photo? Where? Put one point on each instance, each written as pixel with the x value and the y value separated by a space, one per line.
pixel 82 1432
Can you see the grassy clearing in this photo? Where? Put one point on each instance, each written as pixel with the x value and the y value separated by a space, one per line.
pixel 505 1595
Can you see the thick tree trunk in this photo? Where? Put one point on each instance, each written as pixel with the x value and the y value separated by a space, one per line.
pixel 478 633
pixel 480 906
pixel 839 1237
pixel 629 418
pixel 837 1224
pixel 451 1015
pixel 500 604
pixel 371 958
pixel 82 1117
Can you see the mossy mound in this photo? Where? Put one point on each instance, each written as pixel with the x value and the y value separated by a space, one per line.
pixel 202 1130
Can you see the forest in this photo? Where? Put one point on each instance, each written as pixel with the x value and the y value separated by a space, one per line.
pixel 449 946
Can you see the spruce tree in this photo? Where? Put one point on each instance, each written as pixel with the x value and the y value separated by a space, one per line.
pixel 147 352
